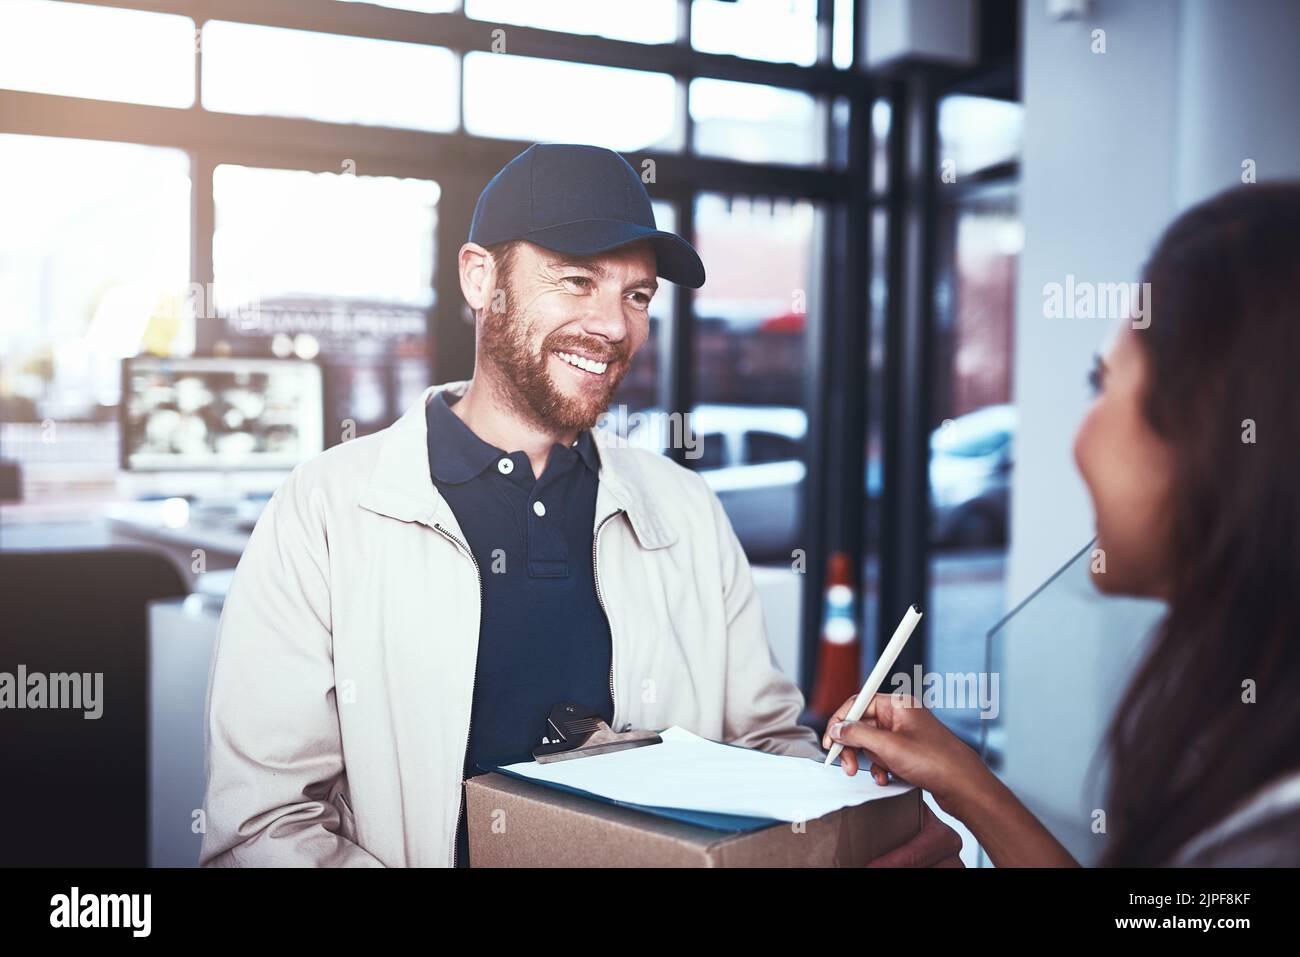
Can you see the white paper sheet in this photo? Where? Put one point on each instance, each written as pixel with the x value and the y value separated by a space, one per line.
pixel 694 774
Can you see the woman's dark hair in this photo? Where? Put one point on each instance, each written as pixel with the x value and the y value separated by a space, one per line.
pixel 1191 738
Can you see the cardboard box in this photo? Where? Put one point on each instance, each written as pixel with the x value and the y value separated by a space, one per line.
pixel 514 823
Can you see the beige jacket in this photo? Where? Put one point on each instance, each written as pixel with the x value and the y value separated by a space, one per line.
pixel 339 698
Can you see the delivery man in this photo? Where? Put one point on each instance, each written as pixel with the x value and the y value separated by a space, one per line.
pixel 411 604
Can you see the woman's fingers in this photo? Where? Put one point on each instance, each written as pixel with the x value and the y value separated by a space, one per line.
pixel 849 761
pixel 857 734
pixel 839 714
pixel 886 709
pixel 853 760
pixel 906 740
pixel 871 715
pixel 879 713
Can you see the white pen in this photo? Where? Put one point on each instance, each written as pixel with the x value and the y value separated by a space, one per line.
pixel 879 673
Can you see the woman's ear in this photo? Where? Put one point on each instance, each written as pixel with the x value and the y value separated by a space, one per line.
pixel 476 276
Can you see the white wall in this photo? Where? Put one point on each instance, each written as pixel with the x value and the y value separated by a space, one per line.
pixel 1116 144
pixel 1096 189
pixel 1239 85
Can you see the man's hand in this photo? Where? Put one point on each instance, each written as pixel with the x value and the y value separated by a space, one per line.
pixel 935 845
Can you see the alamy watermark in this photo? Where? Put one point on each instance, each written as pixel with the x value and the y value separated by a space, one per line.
pixel 963 690
pixel 653 429
pixel 1073 299
pixel 130 911
pixel 59 690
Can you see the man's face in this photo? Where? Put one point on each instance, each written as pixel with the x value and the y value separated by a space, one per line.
pixel 562 329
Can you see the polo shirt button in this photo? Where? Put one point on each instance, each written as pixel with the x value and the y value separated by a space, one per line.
pixel 505 466
pixel 539 509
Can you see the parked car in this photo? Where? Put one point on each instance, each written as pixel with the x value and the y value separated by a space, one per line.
pixel 753 458
pixel 970 477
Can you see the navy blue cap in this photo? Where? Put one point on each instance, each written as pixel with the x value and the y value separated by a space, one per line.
pixel 581 200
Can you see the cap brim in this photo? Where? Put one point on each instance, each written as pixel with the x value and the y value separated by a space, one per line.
pixel 677 260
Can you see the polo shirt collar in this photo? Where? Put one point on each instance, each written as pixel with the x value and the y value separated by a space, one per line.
pixel 586 449
pixel 457 454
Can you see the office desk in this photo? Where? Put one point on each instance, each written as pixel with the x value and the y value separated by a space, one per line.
pixel 194 546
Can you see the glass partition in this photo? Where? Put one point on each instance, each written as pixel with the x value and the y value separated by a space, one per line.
pixel 1055 670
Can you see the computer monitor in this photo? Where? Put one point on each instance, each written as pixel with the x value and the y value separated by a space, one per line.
pixel 219 414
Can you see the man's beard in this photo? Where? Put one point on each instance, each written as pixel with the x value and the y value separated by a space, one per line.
pixel 526 378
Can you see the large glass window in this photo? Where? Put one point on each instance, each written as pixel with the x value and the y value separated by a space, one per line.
pixel 881 117
pixel 419 6
pixel 271 71
pixel 977 132
pixel 751 364
pixel 972 445
pixel 873 481
pixel 973 437
pixel 756 124
pixel 646 21
pixel 775 30
pixel 103 53
pixel 843 36
pixel 94 266
pixel 525 98
pixel 344 235
pixel 336 267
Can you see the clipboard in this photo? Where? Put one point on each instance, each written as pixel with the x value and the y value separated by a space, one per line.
pixel 574 732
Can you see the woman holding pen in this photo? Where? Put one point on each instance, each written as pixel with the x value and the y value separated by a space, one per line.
pixel 1191 455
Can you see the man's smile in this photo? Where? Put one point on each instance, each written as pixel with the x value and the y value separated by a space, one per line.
pixel 588 365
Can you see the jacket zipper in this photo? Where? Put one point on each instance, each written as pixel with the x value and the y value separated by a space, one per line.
pixel 600 599
pixel 469 730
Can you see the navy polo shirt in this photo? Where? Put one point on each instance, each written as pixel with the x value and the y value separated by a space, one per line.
pixel 543 637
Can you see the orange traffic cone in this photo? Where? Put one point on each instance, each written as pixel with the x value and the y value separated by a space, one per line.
pixel 839 652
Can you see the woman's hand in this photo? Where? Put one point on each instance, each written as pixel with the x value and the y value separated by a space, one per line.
pixel 897 735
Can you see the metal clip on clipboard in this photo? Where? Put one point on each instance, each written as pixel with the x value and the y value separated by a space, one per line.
pixel 573 731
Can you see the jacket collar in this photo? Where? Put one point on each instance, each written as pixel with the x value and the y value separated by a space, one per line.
pixel 400 486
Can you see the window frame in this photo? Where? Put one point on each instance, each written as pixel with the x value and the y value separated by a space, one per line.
pixel 838 339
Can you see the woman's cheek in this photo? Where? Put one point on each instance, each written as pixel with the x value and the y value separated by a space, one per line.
pixel 1085 453
pixel 1081 441
pixel 1089 452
